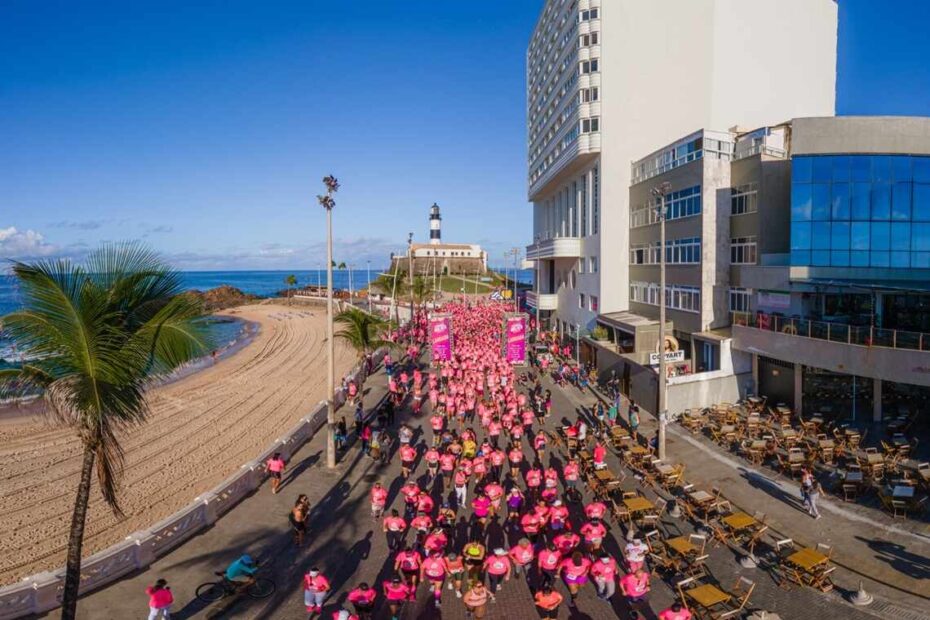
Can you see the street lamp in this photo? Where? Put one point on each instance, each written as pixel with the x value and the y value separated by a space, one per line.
pixel 536 283
pixel 369 286
pixel 327 202
pixel 410 276
pixel 659 193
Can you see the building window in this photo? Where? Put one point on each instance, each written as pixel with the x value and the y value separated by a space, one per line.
pixel 590 125
pixel 740 299
pixel 581 301
pixel 593 264
pixel 743 199
pixel 683 251
pixel 743 251
pixel 683 203
pixel 595 201
pixel 581 265
pixel 584 207
pixel 594 304
pixel 677 297
pixel 587 95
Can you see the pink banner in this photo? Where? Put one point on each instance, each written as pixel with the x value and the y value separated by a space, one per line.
pixel 515 338
pixel 440 331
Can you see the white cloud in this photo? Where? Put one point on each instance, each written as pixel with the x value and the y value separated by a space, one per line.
pixel 24 244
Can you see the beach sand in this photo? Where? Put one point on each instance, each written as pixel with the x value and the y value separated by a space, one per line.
pixel 202 428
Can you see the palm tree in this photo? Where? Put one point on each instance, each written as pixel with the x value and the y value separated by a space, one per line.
pixel 291 281
pixel 363 331
pixel 97 335
pixel 422 289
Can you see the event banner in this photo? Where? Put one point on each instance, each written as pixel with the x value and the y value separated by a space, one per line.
pixel 515 338
pixel 440 333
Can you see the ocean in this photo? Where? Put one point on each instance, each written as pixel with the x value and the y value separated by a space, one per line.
pixel 261 283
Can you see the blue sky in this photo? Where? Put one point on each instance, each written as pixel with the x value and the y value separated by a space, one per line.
pixel 204 128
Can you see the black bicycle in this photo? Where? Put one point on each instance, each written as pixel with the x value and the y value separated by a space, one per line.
pixel 213 591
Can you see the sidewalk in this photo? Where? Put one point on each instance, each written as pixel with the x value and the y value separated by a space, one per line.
pixel 894 563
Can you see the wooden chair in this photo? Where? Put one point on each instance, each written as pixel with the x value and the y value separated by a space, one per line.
pixel 697 567
pixel 850 491
pixel 741 591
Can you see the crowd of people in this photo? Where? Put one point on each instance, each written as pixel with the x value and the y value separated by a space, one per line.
pixel 486 502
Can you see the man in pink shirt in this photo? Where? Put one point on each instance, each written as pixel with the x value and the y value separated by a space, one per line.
pixel 604 574
pixel 635 586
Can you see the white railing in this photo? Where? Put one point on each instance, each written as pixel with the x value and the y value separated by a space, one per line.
pixel 765 149
pixel 42 592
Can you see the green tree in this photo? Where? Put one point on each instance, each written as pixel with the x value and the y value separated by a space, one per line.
pixel 422 289
pixel 291 282
pixel 98 334
pixel 363 331
pixel 341 266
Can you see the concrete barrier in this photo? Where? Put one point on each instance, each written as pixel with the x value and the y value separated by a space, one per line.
pixel 42 592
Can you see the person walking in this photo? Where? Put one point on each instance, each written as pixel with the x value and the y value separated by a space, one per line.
pixel 455 567
pixel 316 589
pixel 396 592
pixel 547 601
pixel 499 570
pixel 363 598
pixel 813 494
pixel 160 600
pixel 634 421
pixel 675 612
pixel 476 601
pixel 275 467
pixel 379 497
pixel 394 527
pixel 433 571
pixel 635 586
pixel 604 573
pixel 575 574
pixel 298 518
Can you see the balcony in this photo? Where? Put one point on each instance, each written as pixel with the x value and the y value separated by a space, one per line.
pixel 887 354
pixel 546 301
pixel 559 247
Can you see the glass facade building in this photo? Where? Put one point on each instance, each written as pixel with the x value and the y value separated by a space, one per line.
pixel 860 211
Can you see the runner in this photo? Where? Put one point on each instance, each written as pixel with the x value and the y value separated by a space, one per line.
pixel 378 500
pixel 548 601
pixel 316 588
pixel 275 468
pixel 433 570
pixel 363 599
pixel 298 518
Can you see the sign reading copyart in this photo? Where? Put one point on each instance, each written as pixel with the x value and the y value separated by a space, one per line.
pixel 670 357
pixel 440 336
pixel 515 338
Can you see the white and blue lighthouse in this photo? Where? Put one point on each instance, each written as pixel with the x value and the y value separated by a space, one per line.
pixel 435 225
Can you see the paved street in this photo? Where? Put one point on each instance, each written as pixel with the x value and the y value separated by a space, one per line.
pixel 348 547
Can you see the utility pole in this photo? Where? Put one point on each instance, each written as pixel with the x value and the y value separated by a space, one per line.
pixel 536 284
pixel 410 265
pixel 516 301
pixel 660 192
pixel 327 202
pixel 369 286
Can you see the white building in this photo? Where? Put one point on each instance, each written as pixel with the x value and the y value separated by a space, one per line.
pixel 607 80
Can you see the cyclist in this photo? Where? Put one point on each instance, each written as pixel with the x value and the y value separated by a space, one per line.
pixel 242 571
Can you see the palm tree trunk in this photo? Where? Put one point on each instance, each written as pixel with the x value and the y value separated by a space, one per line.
pixel 76 539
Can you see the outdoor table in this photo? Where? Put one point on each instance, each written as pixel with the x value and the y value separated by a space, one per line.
pixel 903 490
pixel 853 476
pixel 795 456
pixel 758 444
pixel 739 521
pixel 638 504
pixel 788 433
pixel 807 559
pixel 826 443
pixel 707 595
pixel 681 545
pixel 700 497
pixel 899 440
pixel 755 400
pixel 874 459
pixel 665 469
pixel 604 475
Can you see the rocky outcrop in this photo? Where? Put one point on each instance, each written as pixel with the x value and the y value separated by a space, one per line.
pixel 223 297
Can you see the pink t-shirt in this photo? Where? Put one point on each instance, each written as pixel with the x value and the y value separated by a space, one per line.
pixel 276 465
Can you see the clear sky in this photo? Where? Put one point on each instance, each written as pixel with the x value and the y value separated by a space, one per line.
pixel 204 128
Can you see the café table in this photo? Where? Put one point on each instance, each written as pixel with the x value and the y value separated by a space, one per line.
pixel 682 545
pixel 807 559
pixel 739 521
pixel 638 504
pixel 902 491
pixel 665 469
pixel 707 596
pixel 853 476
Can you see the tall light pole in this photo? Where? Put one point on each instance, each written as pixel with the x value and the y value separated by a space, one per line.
pixel 660 192
pixel 350 284
pixel 327 202
pixel 410 275
pixel 516 301
pixel 536 284
pixel 369 286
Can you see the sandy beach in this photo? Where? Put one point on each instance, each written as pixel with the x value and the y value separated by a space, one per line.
pixel 202 429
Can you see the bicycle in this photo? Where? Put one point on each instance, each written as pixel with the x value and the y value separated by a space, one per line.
pixel 212 591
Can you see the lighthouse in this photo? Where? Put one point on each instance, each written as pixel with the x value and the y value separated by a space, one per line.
pixel 435 224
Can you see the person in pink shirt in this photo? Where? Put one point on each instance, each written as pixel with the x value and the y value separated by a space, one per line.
pixel 570 473
pixel 447 465
pixel 499 569
pixel 566 542
pixel 558 517
pixel 521 555
pixel 407 564
pixel 593 532
pixel 575 574
pixel 393 527
pixel 533 482
pixel 595 510
pixel 396 592
pixel 378 500
pixel 363 599
pixel 437 422
pixel 548 562
pixel 675 612
pixel 408 455
pixel 539 445
pixel 160 600
pixel 316 589
pixel 604 573
pixel 515 456
pixel 433 570
pixel 275 468
pixel 436 541
pixel 600 454
pixel 635 586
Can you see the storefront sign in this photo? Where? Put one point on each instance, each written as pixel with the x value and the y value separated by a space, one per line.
pixel 440 331
pixel 670 357
pixel 770 299
pixel 515 338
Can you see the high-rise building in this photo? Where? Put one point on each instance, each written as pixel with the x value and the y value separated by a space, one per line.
pixel 607 80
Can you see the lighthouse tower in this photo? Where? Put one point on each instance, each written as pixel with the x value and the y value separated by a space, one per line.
pixel 435 225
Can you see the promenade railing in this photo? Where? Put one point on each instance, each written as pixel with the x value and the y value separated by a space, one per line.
pixel 862 335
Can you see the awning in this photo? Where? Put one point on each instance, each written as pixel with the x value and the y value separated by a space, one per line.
pixel 629 322
pixel 897 286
